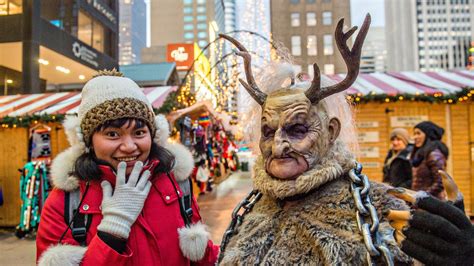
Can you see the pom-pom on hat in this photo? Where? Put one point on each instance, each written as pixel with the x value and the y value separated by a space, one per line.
pixel 109 96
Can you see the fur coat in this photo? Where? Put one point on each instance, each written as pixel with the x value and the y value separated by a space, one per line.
pixel 318 228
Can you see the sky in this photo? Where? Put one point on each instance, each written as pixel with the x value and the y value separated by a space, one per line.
pixel 359 8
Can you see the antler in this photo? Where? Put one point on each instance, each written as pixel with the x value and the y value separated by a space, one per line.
pixel 250 85
pixel 351 56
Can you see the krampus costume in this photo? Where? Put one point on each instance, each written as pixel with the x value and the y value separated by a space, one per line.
pixel 312 205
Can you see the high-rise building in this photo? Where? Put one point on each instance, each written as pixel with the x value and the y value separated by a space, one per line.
pixel 229 16
pixel 428 35
pixel 55 45
pixel 132 31
pixel 374 54
pixel 185 21
pixel 306 27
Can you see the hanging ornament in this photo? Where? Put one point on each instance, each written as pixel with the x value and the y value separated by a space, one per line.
pixel 204 120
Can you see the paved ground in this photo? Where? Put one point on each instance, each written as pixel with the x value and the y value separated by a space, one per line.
pixel 216 208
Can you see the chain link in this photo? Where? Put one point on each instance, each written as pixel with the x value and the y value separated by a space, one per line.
pixel 367 218
pixel 238 217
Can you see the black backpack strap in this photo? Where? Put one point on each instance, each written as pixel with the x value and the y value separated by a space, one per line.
pixel 79 223
pixel 184 200
pixel 187 197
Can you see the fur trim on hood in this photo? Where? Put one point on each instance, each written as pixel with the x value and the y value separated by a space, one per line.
pixel 63 164
pixel 337 162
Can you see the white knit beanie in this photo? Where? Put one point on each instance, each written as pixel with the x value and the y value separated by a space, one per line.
pixel 111 96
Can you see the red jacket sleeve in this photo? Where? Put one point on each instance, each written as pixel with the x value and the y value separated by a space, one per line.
pixel 51 228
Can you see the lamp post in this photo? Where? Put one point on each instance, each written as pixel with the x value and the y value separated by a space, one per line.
pixel 6 81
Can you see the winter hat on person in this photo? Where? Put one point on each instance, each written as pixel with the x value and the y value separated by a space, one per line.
pixel 109 96
pixel 400 133
pixel 431 130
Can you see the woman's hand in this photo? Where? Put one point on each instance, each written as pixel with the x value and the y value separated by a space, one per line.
pixel 122 207
pixel 436 233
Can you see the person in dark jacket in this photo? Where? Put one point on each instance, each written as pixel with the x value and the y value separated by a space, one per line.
pixel 397 166
pixel 429 156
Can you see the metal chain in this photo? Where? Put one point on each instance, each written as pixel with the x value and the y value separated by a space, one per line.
pixel 367 218
pixel 237 218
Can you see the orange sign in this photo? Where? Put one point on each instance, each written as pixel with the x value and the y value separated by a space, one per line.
pixel 182 54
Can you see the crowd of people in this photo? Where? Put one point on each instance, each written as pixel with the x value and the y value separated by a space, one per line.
pixel 417 165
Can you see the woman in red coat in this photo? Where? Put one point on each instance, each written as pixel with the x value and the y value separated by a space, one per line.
pixel 127 177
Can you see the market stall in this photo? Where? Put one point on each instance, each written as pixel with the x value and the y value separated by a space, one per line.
pixel 384 101
pixel 201 128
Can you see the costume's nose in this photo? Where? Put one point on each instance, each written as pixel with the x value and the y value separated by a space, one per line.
pixel 280 146
pixel 128 144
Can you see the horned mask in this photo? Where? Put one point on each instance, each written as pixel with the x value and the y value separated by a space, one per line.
pixel 296 131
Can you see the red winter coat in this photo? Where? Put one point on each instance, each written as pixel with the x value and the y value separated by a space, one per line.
pixel 153 237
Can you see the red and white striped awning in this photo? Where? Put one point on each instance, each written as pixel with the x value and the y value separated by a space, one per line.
pixel 63 102
pixel 393 83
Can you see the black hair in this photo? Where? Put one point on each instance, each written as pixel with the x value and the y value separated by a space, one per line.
pixel 87 168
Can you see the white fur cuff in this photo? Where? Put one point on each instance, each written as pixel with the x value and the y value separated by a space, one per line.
pixel 193 241
pixel 66 255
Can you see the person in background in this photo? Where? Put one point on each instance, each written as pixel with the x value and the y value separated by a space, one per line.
pixel 428 157
pixel 397 167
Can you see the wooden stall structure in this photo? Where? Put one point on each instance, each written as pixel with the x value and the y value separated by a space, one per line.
pixel 385 101
pixel 14 136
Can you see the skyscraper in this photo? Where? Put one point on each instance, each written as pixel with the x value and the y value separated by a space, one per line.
pixel 132 31
pixel 306 27
pixel 374 53
pixel 428 35
pixel 178 21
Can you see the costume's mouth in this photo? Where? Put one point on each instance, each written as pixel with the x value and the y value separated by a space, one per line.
pixel 286 167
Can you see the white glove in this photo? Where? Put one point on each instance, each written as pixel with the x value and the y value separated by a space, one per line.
pixel 121 209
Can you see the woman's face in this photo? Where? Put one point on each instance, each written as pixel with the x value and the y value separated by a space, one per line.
pixel 419 137
pixel 398 144
pixel 125 144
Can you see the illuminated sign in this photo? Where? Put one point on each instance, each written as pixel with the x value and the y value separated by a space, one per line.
pixel 182 54
pixel 81 52
pixel 103 9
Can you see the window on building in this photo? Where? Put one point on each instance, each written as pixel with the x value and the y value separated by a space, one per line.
pixel 327 18
pixel 329 69
pixel 188 10
pixel 11 7
pixel 311 45
pixel 310 1
pixel 188 2
pixel 201 9
pixel 328 47
pixel 295 19
pixel 189 35
pixel 296 45
pixel 98 35
pixel 90 31
pixel 84 28
pixel 201 18
pixel 188 27
pixel 202 34
pixel 188 18
pixel 201 2
pixel 311 70
pixel 311 19
pixel 201 26
pixel 202 43
pixel 295 1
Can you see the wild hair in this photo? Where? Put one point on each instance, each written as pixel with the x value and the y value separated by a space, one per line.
pixel 279 75
pixel 86 166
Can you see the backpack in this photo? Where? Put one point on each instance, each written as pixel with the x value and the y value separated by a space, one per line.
pixel 79 223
